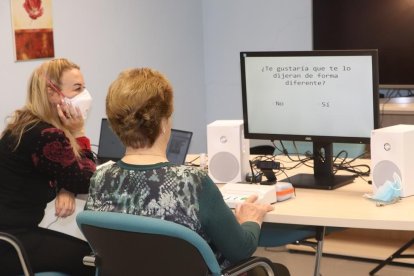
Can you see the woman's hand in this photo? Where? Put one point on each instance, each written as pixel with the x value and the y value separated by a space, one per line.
pixel 64 204
pixel 72 118
pixel 251 211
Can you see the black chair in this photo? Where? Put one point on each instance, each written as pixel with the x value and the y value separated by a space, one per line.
pixel 125 244
pixel 24 260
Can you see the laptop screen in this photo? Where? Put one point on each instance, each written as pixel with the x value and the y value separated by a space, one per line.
pixel 111 148
pixel 178 146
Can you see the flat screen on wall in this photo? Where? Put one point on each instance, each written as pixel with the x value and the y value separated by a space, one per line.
pixel 386 25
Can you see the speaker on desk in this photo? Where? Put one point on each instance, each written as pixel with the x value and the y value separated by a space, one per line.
pixel 228 151
pixel 392 151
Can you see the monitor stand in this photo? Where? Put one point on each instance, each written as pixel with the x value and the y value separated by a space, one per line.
pixel 309 181
pixel 323 176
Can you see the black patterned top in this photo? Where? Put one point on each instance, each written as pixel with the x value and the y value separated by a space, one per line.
pixel 182 194
pixel 31 175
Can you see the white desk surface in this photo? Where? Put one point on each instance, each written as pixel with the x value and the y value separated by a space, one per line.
pixel 397 106
pixel 343 207
pixel 65 225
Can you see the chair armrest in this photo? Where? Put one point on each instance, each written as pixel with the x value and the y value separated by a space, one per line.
pixel 90 260
pixel 248 265
pixel 21 253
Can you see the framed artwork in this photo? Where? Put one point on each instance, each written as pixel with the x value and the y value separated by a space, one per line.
pixel 33 29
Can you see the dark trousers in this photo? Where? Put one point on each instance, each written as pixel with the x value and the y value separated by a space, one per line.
pixel 47 250
pixel 279 270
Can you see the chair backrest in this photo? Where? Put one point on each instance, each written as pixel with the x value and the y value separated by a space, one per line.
pixel 127 244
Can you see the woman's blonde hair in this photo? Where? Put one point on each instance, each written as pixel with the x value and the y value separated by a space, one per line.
pixel 37 107
pixel 137 102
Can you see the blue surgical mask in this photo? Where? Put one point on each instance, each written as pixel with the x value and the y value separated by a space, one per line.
pixel 389 192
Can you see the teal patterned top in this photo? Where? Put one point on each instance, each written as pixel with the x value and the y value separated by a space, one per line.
pixel 178 193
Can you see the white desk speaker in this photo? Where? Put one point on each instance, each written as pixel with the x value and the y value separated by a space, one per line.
pixel 392 151
pixel 228 151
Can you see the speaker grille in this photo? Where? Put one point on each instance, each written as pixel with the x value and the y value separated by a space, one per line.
pixel 224 167
pixel 384 171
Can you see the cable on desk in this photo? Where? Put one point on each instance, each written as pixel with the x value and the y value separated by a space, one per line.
pixel 340 162
pixel 191 162
pixel 346 165
pixel 53 222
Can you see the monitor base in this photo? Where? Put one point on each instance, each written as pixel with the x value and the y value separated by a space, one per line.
pixel 309 181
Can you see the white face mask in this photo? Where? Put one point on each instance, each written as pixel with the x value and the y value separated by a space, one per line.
pixel 83 100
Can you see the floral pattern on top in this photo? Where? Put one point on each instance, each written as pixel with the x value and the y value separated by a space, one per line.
pixel 167 192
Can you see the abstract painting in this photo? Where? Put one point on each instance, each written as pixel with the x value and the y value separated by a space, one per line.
pixel 33 29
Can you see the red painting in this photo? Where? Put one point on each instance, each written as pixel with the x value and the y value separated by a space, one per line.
pixel 33 29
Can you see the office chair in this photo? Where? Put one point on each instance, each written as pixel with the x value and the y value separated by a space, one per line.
pixel 24 260
pixel 126 244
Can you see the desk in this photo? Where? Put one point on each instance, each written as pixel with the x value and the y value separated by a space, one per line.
pixel 346 207
pixel 398 110
pixel 343 207
pixel 65 225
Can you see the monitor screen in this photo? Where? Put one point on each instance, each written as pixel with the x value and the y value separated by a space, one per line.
pixel 386 25
pixel 317 96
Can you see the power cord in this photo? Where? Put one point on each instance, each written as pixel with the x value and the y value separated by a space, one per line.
pixel 53 222
pixel 340 162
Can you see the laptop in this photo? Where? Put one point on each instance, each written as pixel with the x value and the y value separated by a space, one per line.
pixel 178 145
pixel 111 148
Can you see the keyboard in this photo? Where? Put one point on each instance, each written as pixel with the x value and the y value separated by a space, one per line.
pixel 236 193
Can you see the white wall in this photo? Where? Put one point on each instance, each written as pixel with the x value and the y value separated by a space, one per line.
pixel 107 36
pixel 233 26
pixel 196 43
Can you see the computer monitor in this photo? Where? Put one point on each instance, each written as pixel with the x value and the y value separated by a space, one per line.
pixel 111 148
pixel 386 25
pixel 316 96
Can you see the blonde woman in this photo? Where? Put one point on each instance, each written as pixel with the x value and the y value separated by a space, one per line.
pixel 44 154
